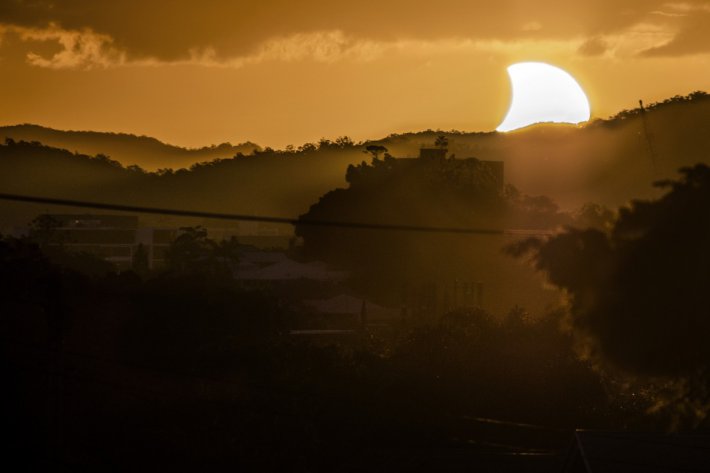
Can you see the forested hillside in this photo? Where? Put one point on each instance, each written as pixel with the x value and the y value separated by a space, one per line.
pixel 146 152
pixel 606 161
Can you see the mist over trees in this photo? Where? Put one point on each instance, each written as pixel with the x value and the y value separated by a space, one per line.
pixel 443 193
pixel 129 150
pixel 606 161
pixel 186 367
pixel 269 182
pixel 183 367
pixel 637 291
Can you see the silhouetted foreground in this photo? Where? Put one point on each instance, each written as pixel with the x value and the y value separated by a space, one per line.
pixel 606 161
pixel 638 292
pixel 188 367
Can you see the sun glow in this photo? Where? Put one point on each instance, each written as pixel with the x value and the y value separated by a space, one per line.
pixel 543 94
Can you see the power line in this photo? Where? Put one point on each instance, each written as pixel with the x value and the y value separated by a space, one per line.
pixel 261 218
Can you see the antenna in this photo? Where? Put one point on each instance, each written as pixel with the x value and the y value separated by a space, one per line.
pixel 649 137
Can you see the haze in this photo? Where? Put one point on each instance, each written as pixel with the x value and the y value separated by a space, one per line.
pixel 282 236
pixel 279 73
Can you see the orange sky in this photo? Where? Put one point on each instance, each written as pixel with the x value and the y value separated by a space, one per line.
pixel 284 72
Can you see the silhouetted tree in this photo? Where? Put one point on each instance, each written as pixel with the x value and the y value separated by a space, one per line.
pixel 307 148
pixel 193 252
pixel 227 251
pixel 441 142
pixel 638 291
pixel 375 150
pixel 344 142
pixel 407 192
pixel 44 231
pixel 592 215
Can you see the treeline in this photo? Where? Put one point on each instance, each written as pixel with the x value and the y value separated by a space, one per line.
pixel 637 293
pixel 696 96
pixel 184 368
pixel 144 151
pixel 570 165
pixel 435 193
pixel 272 183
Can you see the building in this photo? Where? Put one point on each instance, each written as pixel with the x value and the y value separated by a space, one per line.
pixel 432 153
pixel 115 238
pixel 471 168
pixel 345 310
pixel 277 267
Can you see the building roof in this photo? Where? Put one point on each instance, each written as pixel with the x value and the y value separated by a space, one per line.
pixel 288 269
pixel 350 305
pixel 96 220
pixel 260 257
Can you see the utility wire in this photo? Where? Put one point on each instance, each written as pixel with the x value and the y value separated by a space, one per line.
pixel 262 218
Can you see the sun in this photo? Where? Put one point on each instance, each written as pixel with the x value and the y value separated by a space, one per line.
pixel 543 94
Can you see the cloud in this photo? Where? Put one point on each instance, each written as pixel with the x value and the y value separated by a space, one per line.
pixel 78 49
pixel 233 34
pixel 593 47
pixel 532 26
pixel 630 43
pixel 169 29
pixel 692 37
pixel 86 49
pixel 319 46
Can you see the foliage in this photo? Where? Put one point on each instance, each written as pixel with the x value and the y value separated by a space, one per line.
pixel 408 192
pixel 441 142
pixel 43 230
pixel 183 370
pixel 193 252
pixel 698 95
pixel 375 150
pixel 447 193
pixel 187 323
pixel 637 291
pixel 469 348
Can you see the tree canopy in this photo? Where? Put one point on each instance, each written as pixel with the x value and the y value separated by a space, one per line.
pixel 637 292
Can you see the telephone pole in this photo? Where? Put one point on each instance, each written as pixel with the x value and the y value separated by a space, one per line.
pixel 649 137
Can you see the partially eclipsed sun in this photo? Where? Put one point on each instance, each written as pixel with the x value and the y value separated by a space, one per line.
pixel 543 93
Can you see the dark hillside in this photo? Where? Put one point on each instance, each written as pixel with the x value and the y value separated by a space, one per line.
pixel 148 153
pixel 606 161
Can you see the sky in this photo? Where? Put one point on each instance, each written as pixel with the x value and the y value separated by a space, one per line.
pixel 288 72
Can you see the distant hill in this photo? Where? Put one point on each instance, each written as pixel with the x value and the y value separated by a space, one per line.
pixel 274 183
pixel 606 161
pixel 148 153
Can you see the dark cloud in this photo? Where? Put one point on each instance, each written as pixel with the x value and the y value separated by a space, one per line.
pixel 593 47
pixel 169 29
pixel 693 37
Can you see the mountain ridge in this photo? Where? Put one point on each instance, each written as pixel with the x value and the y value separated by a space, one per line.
pixel 606 161
pixel 128 149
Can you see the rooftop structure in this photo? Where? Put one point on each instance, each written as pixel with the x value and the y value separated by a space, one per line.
pixel 275 267
pixel 495 169
pixel 115 238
